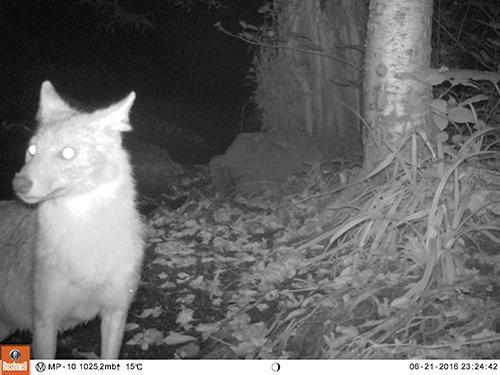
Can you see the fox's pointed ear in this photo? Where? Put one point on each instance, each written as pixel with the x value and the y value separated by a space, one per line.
pixel 116 116
pixel 51 104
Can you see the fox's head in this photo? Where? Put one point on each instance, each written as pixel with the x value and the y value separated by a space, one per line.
pixel 71 152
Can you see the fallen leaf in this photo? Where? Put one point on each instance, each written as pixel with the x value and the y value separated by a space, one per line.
pixel 175 338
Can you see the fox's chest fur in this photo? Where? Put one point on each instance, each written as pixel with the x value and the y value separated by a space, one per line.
pixel 87 250
pixel 92 234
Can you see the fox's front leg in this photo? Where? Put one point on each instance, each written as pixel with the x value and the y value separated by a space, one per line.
pixel 112 329
pixel 44 339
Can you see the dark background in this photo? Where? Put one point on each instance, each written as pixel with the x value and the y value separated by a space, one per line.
pixel 184 71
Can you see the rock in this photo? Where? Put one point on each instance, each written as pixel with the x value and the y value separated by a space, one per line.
pixel 256 161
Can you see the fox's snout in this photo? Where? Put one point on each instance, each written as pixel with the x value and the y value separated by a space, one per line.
pixel 21 184
pixel 40 179
pixel 31 187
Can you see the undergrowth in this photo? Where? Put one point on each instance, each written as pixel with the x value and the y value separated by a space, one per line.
pixel 408 268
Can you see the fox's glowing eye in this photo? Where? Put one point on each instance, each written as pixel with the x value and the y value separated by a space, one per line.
pixel 32 150
pixel 68 153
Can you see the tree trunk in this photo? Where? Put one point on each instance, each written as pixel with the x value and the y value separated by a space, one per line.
pixel 344 25
pixel 398 48
pixel 313 83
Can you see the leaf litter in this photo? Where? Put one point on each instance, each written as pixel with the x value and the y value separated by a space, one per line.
pixel 404 268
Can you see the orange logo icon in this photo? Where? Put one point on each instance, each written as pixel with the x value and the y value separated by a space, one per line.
pixel 15 360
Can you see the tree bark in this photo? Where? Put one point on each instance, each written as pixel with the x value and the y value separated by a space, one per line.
pixel 314 83
pixel 398 48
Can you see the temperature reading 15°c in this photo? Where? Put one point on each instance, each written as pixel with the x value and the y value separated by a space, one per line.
pixel 134 366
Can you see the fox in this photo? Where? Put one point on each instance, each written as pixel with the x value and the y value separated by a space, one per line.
pixel 71 249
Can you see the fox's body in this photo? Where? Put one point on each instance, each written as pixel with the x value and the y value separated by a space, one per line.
pixel 78 254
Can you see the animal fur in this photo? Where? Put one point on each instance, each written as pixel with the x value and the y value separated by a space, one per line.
pixel 78 253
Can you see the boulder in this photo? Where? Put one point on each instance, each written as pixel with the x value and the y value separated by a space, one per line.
pixel 256 161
